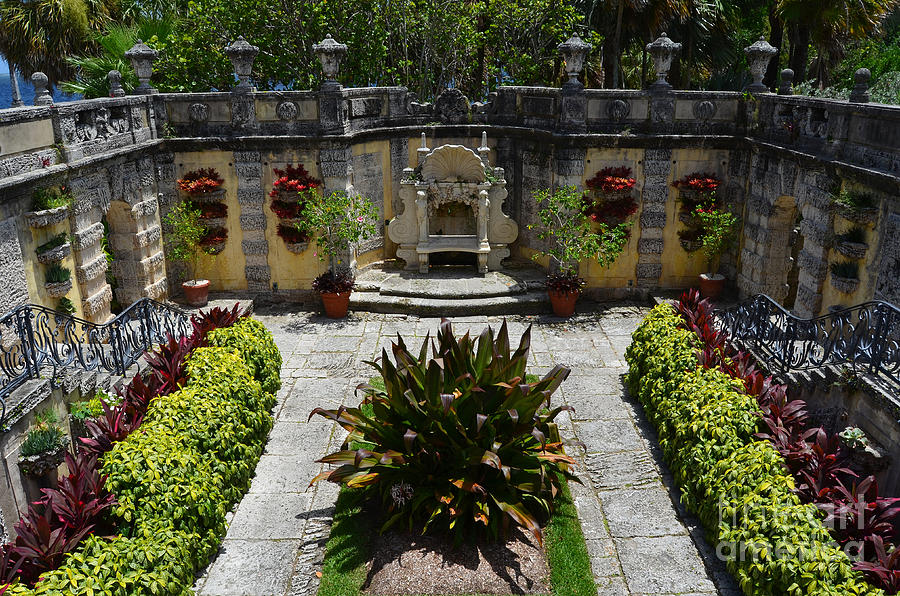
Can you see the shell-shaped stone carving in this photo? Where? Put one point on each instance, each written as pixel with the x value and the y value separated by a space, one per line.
pixel 453 163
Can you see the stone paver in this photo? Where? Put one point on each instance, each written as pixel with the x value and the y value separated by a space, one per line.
pixel 639 540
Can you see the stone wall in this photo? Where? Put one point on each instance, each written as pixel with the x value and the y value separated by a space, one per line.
pixel 781 158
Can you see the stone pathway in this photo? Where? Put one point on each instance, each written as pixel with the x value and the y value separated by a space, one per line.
pixel 639 540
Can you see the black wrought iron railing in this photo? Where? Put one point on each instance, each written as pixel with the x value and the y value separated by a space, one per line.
pixel 35 338
pixel 865 337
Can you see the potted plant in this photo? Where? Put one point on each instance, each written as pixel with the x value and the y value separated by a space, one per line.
pixel 183 243
pixel 202 185
pixel 571 240
pixel 694 190
pixel 49 206
pixel 292 189
pixel 719 229
pixel 336 222
pixel 855 206
pixel 58 280
pixel 845 276
pixel 43 449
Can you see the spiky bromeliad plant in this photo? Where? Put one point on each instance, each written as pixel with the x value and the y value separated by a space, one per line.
pixel 457 442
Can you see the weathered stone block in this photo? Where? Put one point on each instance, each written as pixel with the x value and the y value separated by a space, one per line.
pixel 653 220
pixel 253 221
pixel 257 247
pixel 650 246
pixel 648 271
pixel 251 195
pixel 247 156
pixel 258 273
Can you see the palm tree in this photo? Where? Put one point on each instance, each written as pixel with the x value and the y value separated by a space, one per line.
pixel 91 71
pixel 827 24
pixel 37 35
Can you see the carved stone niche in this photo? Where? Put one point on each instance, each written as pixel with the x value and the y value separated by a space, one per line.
pixel 454 204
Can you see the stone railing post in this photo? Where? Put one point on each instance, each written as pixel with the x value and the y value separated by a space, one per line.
pixel 573 107
pixel 115 84
pixel 787 82
pixel 662 52
pixel 333 113
pixel 758 55
pixel 243 105
pixel 662 102
pixel 142 57
pixel 42 96
pixel 242 55
pixel 860 92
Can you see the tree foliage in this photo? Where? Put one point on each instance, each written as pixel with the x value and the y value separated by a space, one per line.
pixel 425 45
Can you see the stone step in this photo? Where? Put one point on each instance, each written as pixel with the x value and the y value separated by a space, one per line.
pixel 523 303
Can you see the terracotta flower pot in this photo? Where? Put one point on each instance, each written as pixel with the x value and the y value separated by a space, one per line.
pixel 196 292
pixel 563 303
pixel 336 305
pixel 711 285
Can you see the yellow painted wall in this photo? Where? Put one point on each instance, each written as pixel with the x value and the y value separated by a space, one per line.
pixel 866 289
pixel 623 269
pixel 289 270
pixel 680 268
pixel 35 271
pixel 225 271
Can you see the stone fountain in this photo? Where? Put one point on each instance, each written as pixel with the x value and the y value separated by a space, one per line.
pixel 453 202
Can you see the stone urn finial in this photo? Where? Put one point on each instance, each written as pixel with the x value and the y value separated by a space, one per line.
pixel 42 96
pixel 758 55
pixel 860 91
pixel 115 84
pixel 662 52
pixel 242 55
pixel 574 51
pixel 142 57
pixel 787 82
pixel 330 54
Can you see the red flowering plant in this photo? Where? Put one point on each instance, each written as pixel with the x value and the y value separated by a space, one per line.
pixel 702 183
pixel 294 180
pixel 611 180
pixel 200 182
pixel 292 234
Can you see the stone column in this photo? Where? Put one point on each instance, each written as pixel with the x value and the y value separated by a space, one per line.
pixel 243 106
pixel 654 196
pixel 92 200
pixel 662 102
pixel 251 198
pixel 817 228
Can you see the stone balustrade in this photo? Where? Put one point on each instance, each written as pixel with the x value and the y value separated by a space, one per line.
pixel 779 156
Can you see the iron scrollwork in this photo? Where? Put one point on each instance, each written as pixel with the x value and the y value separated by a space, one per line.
pixel 34 337
pixel 865 337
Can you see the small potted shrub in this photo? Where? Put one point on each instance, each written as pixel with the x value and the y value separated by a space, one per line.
pixel 64 306
pixel 845 276
pixel 58 280
pixel 202 185
pixel 718 230
pixel 293 184
pixel 49 206
pixel 571 239
pixel 336 222
pixel 852 243
pixel 44 449
pixel 183 243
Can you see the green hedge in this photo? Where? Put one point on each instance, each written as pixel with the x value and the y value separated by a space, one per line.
pixel 706 423
pixel 177 476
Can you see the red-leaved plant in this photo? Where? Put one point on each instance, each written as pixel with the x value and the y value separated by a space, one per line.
pixel 611 180
pixel 702 183
pixel 201 181
pixel 818 461
pixel 293 180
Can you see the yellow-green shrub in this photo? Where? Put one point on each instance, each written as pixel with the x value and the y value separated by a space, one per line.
pixel 738 486
pixel 178 474
pixel 257 347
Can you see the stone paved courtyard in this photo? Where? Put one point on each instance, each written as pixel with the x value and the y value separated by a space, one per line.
pixel 639 541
